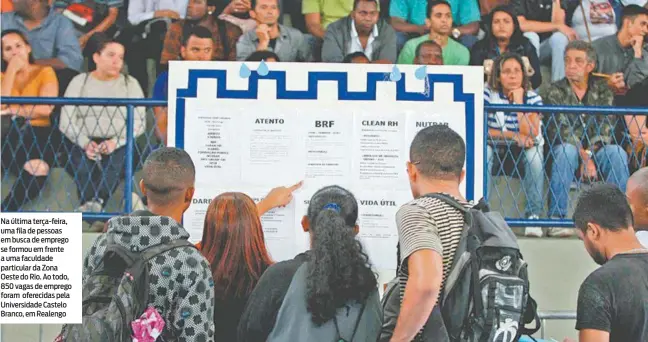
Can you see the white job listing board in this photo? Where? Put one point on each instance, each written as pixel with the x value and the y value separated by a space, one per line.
pixel 250 127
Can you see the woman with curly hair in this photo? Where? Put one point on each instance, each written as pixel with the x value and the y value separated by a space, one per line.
pixel 326 294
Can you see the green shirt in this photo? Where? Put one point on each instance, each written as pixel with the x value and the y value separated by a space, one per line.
pixel 453 53
pixel 330 10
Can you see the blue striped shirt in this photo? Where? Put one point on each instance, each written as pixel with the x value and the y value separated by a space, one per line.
pixel 508 121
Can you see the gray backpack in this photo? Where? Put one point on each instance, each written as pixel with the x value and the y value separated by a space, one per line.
pixel 486 295
pixel 115 294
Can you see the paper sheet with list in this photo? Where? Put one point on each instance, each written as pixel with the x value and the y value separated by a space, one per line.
pixel 272 149
pixel 215 150
pixel 378 147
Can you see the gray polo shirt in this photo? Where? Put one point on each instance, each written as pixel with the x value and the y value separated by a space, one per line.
pixel 55 38
pixel 291 46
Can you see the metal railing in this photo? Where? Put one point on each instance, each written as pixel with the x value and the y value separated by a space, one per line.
pixel 130 104
pixel 554 315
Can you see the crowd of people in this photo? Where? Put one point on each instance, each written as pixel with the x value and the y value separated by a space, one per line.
pixel 596 51
pixel 228 288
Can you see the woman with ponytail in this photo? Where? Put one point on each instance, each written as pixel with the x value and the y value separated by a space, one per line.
pixel 326 294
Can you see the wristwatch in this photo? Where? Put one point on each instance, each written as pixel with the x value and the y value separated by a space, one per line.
pixel 456 33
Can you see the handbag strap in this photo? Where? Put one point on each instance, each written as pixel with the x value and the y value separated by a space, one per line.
pixel 589 36
pixel 355 328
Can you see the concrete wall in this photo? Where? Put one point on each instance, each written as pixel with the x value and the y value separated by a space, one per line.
pixel 557 267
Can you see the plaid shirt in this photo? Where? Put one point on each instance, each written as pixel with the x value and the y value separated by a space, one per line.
pixel 584 129
pixel 173 41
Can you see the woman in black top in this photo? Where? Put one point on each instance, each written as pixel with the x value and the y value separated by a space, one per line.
pixel 503 34
pixel 326 294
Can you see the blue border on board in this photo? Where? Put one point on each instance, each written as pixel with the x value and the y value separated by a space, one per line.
pixel 341 77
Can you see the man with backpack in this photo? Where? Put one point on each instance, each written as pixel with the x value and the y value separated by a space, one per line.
pixel 144 260
pixel 452 253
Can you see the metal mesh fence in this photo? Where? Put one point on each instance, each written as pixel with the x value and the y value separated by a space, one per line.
pixel 87 156
pixel 84 157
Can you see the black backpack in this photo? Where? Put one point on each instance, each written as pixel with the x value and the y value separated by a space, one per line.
pixel 486 295
pixel 115 294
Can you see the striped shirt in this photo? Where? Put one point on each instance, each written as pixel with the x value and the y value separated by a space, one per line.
pixel 509 121
pixel 429 223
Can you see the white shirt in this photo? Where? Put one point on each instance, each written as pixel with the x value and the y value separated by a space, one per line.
pixel 509 121
pixel 634 2
pixel 600 18
pixel 355 45
pixel 642 236
pixel 142 10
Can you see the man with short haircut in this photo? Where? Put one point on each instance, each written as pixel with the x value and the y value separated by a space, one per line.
pixel 409 18
pixel 429 229
pixel 361 31
pixel 624 55
pixel 197 45
pixel 182 288
pixel 201 13
pixel 637 193
pixel 288 43
pixel 52 36
pixel 585 140
pixel 356 58
pixel 613 300
pixel 429 53
pixel 545 24
pixel 440 23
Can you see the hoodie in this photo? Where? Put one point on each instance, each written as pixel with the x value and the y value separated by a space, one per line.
pixel 182 288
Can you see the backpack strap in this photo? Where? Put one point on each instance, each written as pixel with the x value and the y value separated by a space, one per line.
pixel 154 251
pixel 531 315
pixel 448 200
pixel 472 243
pixel 481 205
pixel 355 328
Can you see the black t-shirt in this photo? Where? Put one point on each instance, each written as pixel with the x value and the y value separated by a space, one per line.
pixel 614 298
pixel 537 10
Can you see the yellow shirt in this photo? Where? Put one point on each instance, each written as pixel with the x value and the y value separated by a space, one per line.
pixel 39 77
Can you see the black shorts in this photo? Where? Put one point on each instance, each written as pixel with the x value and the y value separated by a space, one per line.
pixel 22 144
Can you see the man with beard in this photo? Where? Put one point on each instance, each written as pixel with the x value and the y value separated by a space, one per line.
pixel 52 37
pixel 361 31
pixel 288 43
pixel 200 13
pixel 613 300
